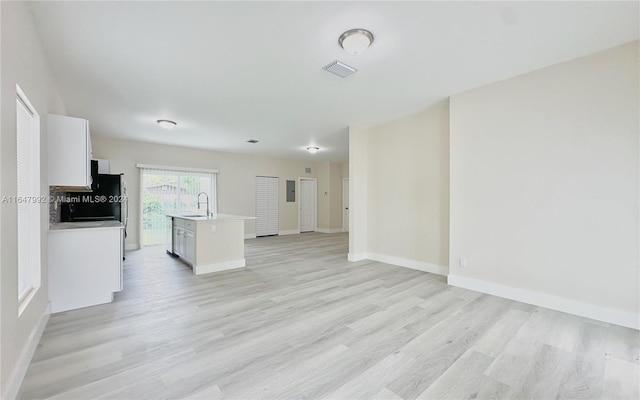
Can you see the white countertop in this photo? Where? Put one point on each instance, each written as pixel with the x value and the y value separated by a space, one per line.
pixel 85 225
pixel 217 217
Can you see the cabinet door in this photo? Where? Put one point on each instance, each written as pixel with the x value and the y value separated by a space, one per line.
pixel 178 246
pixel 69 151
pixel 174 240
pixel 190 246
pixel 85 267
pixel 183 243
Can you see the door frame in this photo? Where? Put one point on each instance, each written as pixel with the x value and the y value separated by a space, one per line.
pixel 345 222
pixel 315 203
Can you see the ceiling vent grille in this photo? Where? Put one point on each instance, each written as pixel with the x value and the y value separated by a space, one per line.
pixel 339 68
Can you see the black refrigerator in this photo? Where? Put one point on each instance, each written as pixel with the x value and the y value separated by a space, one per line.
pixel 107 202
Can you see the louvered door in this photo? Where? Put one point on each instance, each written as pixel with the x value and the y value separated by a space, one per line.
pixel 266 206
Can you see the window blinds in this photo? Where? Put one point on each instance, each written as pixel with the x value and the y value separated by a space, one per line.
pixel 168 190
pixel 28 197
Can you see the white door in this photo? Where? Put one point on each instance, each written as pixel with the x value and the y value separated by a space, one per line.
pixel 266 206
pixel 308 190
pixel 345 205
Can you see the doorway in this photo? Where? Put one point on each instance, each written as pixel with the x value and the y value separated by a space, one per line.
pixel 171 191
pixel 345 205
pixel 267 204
pixel 307 216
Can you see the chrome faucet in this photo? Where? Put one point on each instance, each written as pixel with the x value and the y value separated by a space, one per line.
pixel 204 193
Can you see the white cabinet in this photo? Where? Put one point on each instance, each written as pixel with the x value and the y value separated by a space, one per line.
pixel 190 246
pixel 69 152
pixel 178 241
pixel 184 240
pixel 85 267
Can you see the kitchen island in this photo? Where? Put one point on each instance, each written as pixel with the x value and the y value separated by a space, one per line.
pixel 208 243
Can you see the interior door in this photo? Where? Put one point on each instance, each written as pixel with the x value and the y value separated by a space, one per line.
pixel 308 190
pixel 266 206
pixel 345 205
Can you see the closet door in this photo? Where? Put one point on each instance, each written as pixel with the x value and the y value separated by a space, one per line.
pixel 266 206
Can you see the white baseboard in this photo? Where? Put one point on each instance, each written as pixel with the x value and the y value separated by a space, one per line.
pixel 249 235
pixel 217 267
pixel 357 256
pixel 15 379
pixel 550 301
pixel 408 263
pixel 323 230
pixel 131 246
pixel 289 232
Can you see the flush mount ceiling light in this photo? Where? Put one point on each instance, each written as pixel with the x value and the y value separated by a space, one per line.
pixel 313 150
pixel 355 41
pixel 166 124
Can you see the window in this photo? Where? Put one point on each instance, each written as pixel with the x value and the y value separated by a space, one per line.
pixel 168 190
pixel 28 198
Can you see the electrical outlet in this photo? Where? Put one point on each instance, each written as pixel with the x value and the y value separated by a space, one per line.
pixel 463 262
pixel 213 228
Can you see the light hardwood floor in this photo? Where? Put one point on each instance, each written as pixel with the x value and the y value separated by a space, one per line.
pixel 302 322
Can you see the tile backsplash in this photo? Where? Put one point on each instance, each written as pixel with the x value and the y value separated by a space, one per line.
pixel 54 205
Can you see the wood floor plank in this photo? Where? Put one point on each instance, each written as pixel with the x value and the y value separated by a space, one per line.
pixel 300 321
pixel 463 379
pixel 621 380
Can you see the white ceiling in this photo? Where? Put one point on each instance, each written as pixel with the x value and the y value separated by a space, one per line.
pixel 232 71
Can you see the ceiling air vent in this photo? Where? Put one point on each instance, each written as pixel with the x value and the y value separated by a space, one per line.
pixel 339 68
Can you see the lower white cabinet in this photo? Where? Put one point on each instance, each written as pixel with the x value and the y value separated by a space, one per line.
pixel 190 246
pixel 85 267
pixel 184 244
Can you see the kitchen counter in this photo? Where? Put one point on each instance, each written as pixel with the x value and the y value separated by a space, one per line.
pixel 215 218
pixel 85 225
pixel 208 244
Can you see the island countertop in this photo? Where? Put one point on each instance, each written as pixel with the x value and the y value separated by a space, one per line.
pixel 215 218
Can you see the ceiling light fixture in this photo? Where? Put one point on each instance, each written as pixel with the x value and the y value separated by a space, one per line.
pixel 313 150
pixel 355 41
pixel 166 124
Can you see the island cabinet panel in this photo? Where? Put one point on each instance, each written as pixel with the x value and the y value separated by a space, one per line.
pixel 209 244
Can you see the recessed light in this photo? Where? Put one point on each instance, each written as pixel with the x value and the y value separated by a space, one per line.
pixel 166 124
pixel 313 150
pixel 355 41
pixel 252 141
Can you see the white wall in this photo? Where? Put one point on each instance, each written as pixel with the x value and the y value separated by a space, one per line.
pixel 544 186
pixel 23 63
pixel 330 197
pixel 401 176
pixel 358 200
pixel 236 178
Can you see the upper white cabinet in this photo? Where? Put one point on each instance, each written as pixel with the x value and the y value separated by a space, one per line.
pixel 69 148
